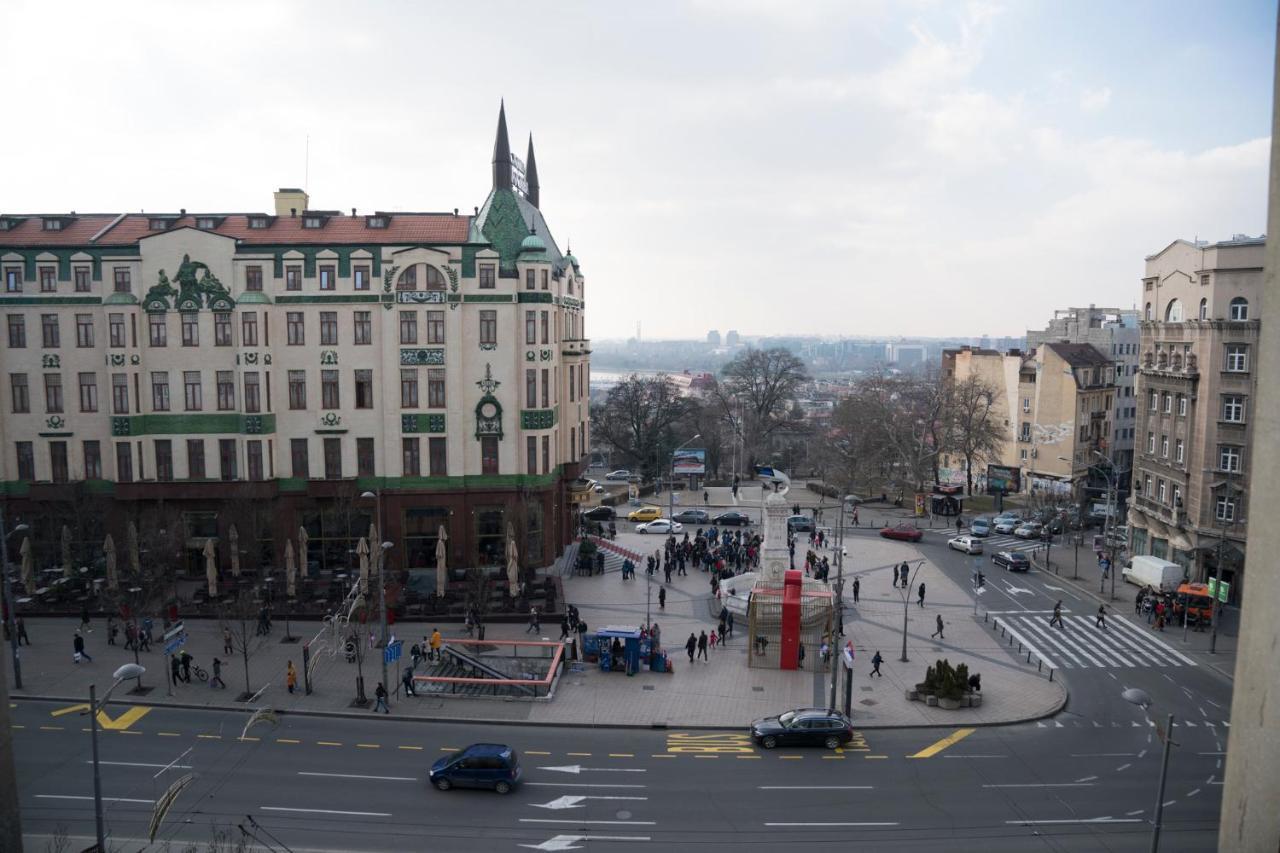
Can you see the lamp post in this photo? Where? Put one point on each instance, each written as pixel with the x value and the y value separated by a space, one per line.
pixel 11 617
pixel 839 591
pixel 382 581
pixel 1140 698
pixel 1231 491
pixel 124 673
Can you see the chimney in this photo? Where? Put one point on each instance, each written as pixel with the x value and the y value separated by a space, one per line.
pixel 290 199
pixel 353 213
pixel 182 211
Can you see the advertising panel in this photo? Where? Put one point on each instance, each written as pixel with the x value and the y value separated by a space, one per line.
pixel 1001 478
pixel 689 461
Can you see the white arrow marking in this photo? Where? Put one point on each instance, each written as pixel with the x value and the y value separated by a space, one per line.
pixel 1017 590
pixel 574 801
pixel 570 842
pixel 578 768
pixel 1054 588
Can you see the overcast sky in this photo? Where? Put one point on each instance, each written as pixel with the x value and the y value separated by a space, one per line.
pixel 927 168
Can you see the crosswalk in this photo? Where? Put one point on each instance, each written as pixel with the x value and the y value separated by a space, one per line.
pixel 1082 644
pixel 992 544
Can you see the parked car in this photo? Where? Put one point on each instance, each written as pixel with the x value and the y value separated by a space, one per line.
pixel 800 524
pixel 1005 525
pixel 693 516
pixel 1028 530
pixel 622 474
pixel 1013 561
pixel 980 527
pixel 481 765
pixel 661 525
pixel 967 544
pixel 600 513
pixel 732 518
pixel 645 513
pixel 803 727
pixel 904 532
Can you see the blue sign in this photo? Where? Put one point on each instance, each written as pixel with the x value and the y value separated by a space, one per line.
pixel 174 644
pixel 392 652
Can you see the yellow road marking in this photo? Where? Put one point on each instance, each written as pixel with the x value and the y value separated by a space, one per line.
pixel 287 740
pixel 327 743
pixel 581 754
pixel 535 752
pixel 688 742
pixel 950 740
pixel 210 737
pixel 70 709
pixel 833 758
pixel 369 746
pixel 169 734
pixel 128 718
pixel 791 757
pixel 418 748
pixel 622 755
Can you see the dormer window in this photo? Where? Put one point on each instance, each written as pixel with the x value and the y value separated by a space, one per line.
pixel 312 222
pixel 375 222
pixel 257 222
pixel 7 224
pixel 53 225
pixel 207 223
pixel 159 224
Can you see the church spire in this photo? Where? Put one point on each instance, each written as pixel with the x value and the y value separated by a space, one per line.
pixel 531 175
pixel 502 153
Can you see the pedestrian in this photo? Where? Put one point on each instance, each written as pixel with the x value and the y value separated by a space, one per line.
pixel 729 623
pixel 22 632
pixel 857 585
pixel 1137 603
pixel 113 630
pixel 144 635
pixel 226 641
pixel 666 570
pixel 1102 617
pixel 662 597
pixel 958 525
pixel 407 679
pixel 380 693
pixel 216 679
pixel 291 677
pixel 691 646
pixel 800 655
pixel 77 645
pixel 875 665
pixel 1057 616
pixel 175 670
pixel 534 625
pixel 904 572
pixel 84 618
pixel 702 646
pixel 435 643
pixel 185 658
pixel 938 633
pixel 564 626
pixel 920 600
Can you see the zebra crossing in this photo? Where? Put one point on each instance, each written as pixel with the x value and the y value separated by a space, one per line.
pixel 1081 644
pixel 997 542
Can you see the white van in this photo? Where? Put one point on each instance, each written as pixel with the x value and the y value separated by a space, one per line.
pixel 1154 572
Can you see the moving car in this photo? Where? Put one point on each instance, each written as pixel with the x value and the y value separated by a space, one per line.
pixel 1005 524
pixel 693 516
pixel 800 524
pixel 903 532
pixel 645 513
pixel 1013 561
pixel 980 527
pixel 661 525
pixel 803 727
pixel 733 518
pixel 967 544
pixel 600 513
pixel 481 765
pixel 621 474
pixel 1028 530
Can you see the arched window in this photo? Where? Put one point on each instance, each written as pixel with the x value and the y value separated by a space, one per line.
pixel 408 279
pixel 1148 312
pixel 1173 311
pixel 420 272
pixel 1204 309
pixel 435 281
pixel 1239 308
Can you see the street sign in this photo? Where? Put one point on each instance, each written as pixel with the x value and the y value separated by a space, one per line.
pixel 392 652
pixel 176 643
pixel 174 630
pixel 847 655
pixel 1219 588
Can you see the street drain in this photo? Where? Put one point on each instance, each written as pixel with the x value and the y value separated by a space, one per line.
pixel 647 687
pixel 757 689
pixel 867 689
pixel 867 702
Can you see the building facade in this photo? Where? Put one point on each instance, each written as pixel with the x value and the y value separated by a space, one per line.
pixel 194 372
pixel 1197 379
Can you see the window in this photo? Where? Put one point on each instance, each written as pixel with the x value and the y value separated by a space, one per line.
pixel 222 329
pixel 530 279
pixel 546 326
pixel 1173 311
pixel 1229 458
pixel 164 460
pixel 1148 488
pixel 119 394
pixel 1155 401
pixel 437 457
pixel 92 460
pixel 531 454
pixel 312 222
pixel 375 222
pixel 296 330
pixel 530 388
pixel 488 279
pixel 573 443
pixel 546 454
pixel 1238 310
pixel 253 278
pixel 122 281
pixel 1182 405
pixel 489 454
pixel 1024 431
pixel 408 327
pixel 158 330
pixel 1164 446
pixel 1178 451
pixel 115 330
pixel 333 459
pixel 408 279
pixel 297 389
pixel 17 331
pixel 191 330
pixel 1237 358
pixel 26 461
pixel 191 390
pixel 82 279
pixel 329 389
pixel 363 328
pixel 329 328
pixel 364 457
pixel 253 458
pixel 435 327
pixel 544 279
pixel 1151 442
pixel 571 390
pixel 530 327
pixel 1168 402
pixel 51 224
pixel 360 275
pixel 50 334
pixel 159 391
pixel 293 278
pixel 327 277
pixel 225 381
pixel 227 458
pixel 252 392
pixel 489 327
pixel 13 279
pixel 124 462
pixel 299 457
pixel 195 459
pixel 84 330
pixel 58 462
pixel 1160 491
pixel 546 387
pixel 408 387
pixel 364 389
pixel 411 451
pixel 1225 509
pixel 249 329
pixel 1233 408
pixel 258 222
pixel 1177 497
pixel 435 281
pixel 1026 404
pixel 1147 312
pixel 48 280
pixel 53 393
pixel 88 392
pixel 435 388
pixel 21 393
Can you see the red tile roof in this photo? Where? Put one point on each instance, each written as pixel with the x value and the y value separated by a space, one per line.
pixel 75 232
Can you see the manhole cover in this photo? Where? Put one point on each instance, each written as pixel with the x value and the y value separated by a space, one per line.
pixel 757 689
pixel 867 702
pixel 647 687
pixel 866 689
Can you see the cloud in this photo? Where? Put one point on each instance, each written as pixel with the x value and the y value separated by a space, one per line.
pixel 1093 100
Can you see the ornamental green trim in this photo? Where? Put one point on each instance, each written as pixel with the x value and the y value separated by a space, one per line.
pixel 193 424
pixel 121 299
pixel 422 423
pixel 422 356
pixel 51 300
pixel 487 297
pixel 253 297
pixel 532 296
pixel 539 418
pixel 329 299
pixel 505 228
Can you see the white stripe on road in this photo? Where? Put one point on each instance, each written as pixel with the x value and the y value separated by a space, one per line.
pixel 357 776
pixel 847 823
pixel 1102 754
pixel 140 764
pixel 1103 642
pixel 1151 638
pixel 323 811
pixel 974 756
pixel 816 787
pixel 104 799
pixel 1050 640
pixel 579 785
pixel 1137 645
pixel 593 822
pixel 1043 785
pixel 1078 820
pixel 1028 645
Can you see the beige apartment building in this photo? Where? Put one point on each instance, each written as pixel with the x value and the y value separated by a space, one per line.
pixel 1197 380
pixel 193 371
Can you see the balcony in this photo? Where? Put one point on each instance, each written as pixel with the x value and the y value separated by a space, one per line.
pixel 1173 365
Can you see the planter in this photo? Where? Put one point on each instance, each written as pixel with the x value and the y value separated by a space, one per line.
pixel 948 704
pixel 931 701
pixel 975 700
pixel 912 695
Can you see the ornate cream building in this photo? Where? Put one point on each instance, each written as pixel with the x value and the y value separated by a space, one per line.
pixel 188 371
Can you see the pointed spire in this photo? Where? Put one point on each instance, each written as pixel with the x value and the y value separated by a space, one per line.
pixel 502 152
pixel 531 175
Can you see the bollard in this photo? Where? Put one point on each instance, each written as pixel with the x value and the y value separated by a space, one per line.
pixel 1028 657
pixel 1051 674
pixel 1039 666
pixel 1019 648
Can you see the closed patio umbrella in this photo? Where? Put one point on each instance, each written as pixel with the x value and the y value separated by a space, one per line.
pixel 513 564
pixel 362 551
pixel 442 553
pixel 290 571
pixel 66 551
pixel 28 569
pixel 233 542
pixel 211 567
pixel 109 549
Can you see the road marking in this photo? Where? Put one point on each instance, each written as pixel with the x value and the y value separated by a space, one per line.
pixel 1123 767
pixel 875 756
pixel 1102 754
pixel 842 823
pixel 535 752
pixel 1086 778
pixel 731 742
pixel 580 754
pixel 816 787
pixel 578 768
pixel 1078 820
pixel 52 728
pixel 248 739
pixel 169 734
pixel 833 758
pixel 210 737
pixel 128 718
pixel 368 746
pixel 1134 812
pixel 579 785
pixel 618 755
pixel 327 743
pixel 415 748
pixel 585 822
pixel 1210 753
pixel 739 757
pixel 570 842
pixel 1042 785
pixel 950 740
pixel 667 755
pixel 287 740
pixel 140 764
pixel 967 755
pixel 574 801
pixel 127 733
pixel 1193 792
pixel 323 811
pixel 70 709
pixel 791 757
pixel 104 799
pixel 357 776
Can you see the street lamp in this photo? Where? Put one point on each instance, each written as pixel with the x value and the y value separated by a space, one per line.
pixel 123 674
pixel 11 617
pixel 1140 698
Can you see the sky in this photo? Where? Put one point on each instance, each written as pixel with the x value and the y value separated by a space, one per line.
pixel 771 166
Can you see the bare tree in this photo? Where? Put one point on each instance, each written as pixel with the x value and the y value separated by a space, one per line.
pixel 906 414
pixel 240 618
pixel 639 417
pixel 756 394
pixel 975 433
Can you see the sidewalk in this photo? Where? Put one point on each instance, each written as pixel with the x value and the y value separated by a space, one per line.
pixel 721 693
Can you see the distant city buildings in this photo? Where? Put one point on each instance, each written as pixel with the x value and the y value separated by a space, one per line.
pixel 713 338
pixel 731 338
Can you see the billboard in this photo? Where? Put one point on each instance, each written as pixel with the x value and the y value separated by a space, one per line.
pixel 1003 479
pixel 689 461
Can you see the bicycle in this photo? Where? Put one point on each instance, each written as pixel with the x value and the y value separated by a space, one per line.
pixel 200 674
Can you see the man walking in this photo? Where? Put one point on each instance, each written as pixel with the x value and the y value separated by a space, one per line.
pixel 662 597
pixel 938 633
pixel 1057 616
pixel 1102 617
pixel 729 623
pixel 226 641
pixel 702 646
pixel 22 632
pixel 78 645
pixel 535 626
pixel 920 600
pixel 875 664
pixel 216 679
pixel 185 659
pixel 381 695
pixel 291 677
pixel 857 585
pixel 905 572
pixel 112 630
pixel 407 680
pixel 691 646
pixel 435 642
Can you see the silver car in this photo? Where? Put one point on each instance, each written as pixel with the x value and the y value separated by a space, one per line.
pixel 967 544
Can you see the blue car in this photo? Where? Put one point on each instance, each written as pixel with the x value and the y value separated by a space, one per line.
pixel 481 765
pixel 980 527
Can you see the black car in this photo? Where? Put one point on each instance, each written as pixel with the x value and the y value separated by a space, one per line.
pixel 800 524
pixel 600 513
pixel 692 516
pixel 1013 561
pixel 803 727
pixel 731 519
